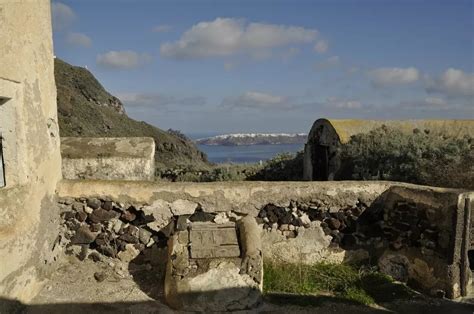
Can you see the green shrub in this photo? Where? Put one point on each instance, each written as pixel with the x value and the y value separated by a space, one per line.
pixel 219 172
pixel 420 157
pixel 282 167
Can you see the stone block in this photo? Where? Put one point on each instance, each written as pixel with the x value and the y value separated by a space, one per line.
pixel 131 158
pixel 210 240
pixel 219 272
pixel 183 207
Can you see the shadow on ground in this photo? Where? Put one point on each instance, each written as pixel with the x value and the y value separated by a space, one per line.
pixel 148 271
pixel 272 303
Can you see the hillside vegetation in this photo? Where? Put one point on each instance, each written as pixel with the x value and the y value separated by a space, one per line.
pixel 421 157
pixel 86 109
pixel 382 154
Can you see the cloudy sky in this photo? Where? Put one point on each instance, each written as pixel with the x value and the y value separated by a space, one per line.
pixel 274 66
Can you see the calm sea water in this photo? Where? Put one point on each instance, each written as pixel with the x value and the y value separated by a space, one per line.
pixel 246 154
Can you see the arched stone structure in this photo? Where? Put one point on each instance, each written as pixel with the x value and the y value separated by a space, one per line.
pixel 321 152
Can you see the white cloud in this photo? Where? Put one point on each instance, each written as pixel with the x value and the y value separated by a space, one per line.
pixel 329 63
pixel 63 15
pixel 290 53
pixel 428 103
pixel 229 66
pixel 437 104
pixel 158 100
pixel 228 36
pixel 126 59
pixel 257 100
pixel 334 102
pixel 452 82
pixel 384 77
pixel 161 29
pixel 352 70
pixel 434 102
pixel 262 98
pixel 321 46
pixel 78 39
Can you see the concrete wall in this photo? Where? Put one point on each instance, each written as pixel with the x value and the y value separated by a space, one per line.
pixel 130 158
pixel 29 126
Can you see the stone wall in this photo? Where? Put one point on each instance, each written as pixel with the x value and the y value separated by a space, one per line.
pixel 126 158
pixel 410 231
pixel 28 123
pixel 422 232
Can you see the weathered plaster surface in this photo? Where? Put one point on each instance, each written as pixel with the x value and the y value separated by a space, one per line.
pixel 131 158
pixel 240 197
pixel 33 164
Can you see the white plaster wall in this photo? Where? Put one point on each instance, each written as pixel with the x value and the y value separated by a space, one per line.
pixel 132 169
pixel 33 164
pixel 130 158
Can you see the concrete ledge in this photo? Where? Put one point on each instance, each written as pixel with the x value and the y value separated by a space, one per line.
pixel 242 197
pixel 245 197
pixel 131 158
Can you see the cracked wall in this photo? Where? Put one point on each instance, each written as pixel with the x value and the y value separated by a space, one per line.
pixel 31 147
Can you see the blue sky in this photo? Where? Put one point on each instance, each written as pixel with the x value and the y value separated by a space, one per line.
pixel 274 66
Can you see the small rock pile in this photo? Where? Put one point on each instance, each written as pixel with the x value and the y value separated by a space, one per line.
pixel 340 224
pixel 110 228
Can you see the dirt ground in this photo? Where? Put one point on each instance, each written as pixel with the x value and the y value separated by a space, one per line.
pixel 138 288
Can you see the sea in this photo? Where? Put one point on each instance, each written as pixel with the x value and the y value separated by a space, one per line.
pixel 244 153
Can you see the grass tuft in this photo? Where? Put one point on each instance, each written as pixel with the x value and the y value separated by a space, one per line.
pixel 342 281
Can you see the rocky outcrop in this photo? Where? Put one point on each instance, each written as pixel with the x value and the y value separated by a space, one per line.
pixel 86 109
pixel 77 85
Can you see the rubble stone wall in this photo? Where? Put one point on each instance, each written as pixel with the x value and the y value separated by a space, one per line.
pixel 422 232
pixel 28 123
pixel 411 231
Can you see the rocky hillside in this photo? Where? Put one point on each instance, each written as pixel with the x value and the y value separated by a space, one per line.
pixel 86 109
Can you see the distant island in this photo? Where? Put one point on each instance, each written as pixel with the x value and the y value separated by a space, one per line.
pixel 254 139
